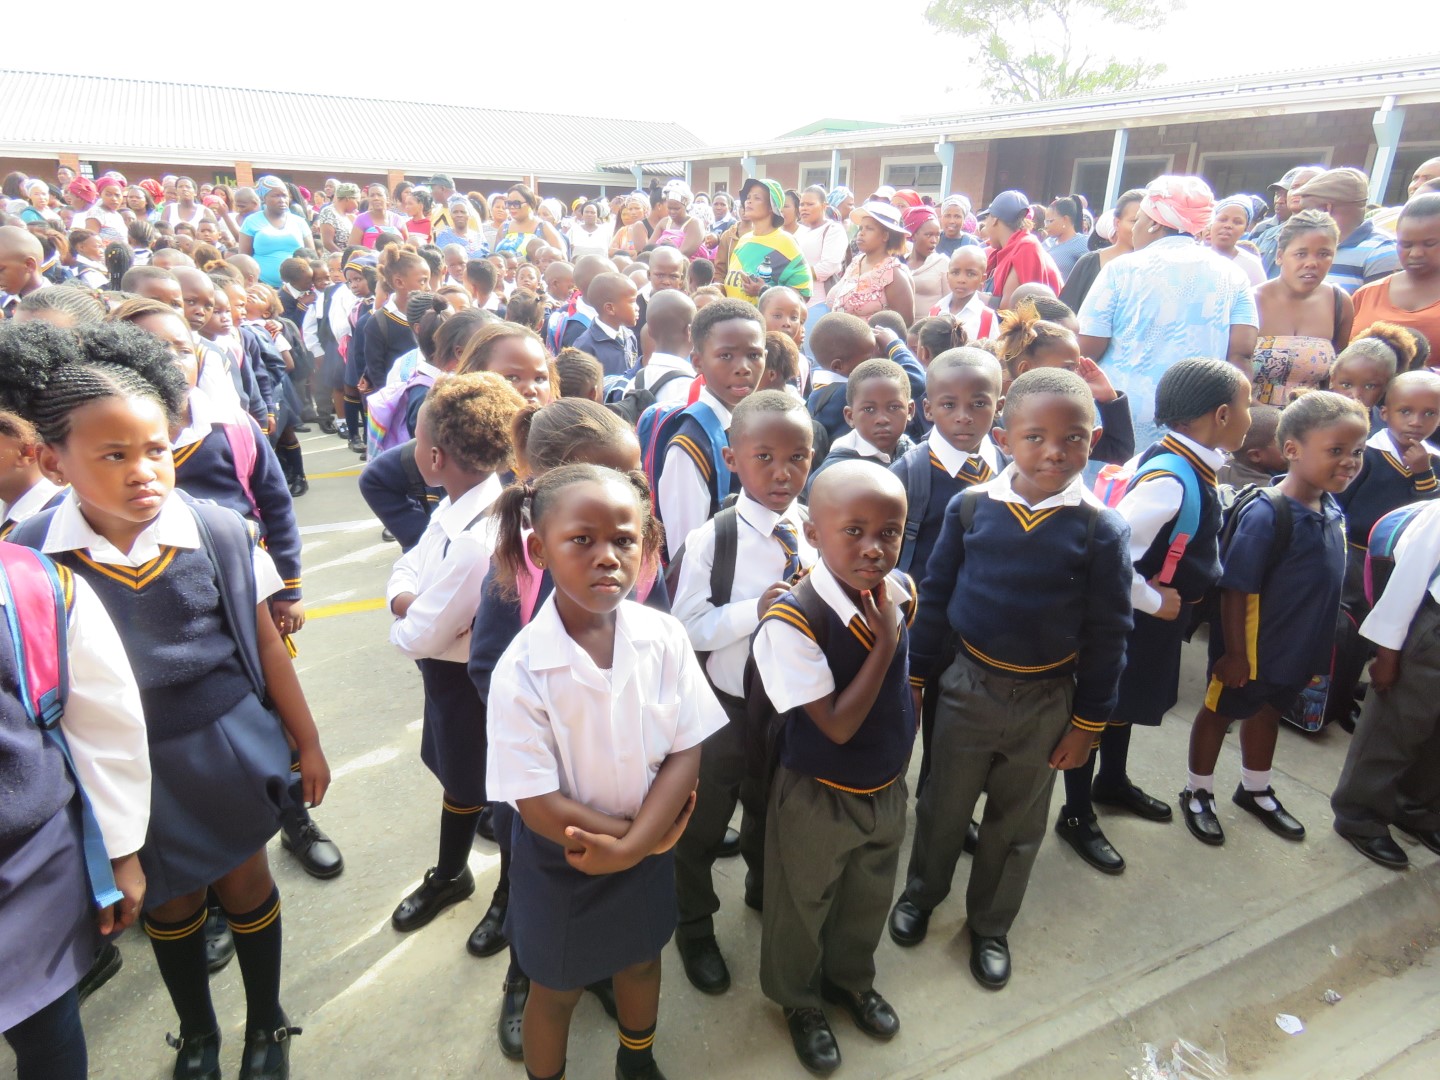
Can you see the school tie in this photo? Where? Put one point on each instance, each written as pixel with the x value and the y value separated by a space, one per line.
pixel 790 544
pixel 975 470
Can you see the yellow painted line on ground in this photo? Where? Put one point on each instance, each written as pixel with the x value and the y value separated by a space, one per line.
pixel 355 471
pixel 349 607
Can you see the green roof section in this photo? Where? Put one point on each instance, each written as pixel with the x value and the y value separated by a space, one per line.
pixel 832 125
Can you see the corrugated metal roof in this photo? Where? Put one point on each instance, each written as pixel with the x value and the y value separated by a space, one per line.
pixel 135 120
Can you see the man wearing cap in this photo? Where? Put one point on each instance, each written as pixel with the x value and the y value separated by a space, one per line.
pixel 1363 255
pixel 1266 234
pixel 767 255
pixel 441 189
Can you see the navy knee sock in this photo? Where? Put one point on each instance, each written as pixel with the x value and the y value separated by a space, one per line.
pixel 457 833
pixel 637 1050
pixel 257 948
pixel 292 460
pixel 352 414
pixel 1077 790
pixel 180 955
pixel 50 1044
pixel 1114 757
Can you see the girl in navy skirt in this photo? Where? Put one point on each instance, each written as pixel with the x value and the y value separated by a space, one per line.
pixel 49 927
pixel 1206 406
pixel 188 583
pixel 462 442
pixel 568 431
pixel 597 712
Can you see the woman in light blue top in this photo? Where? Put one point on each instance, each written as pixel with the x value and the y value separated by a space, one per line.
pixel 272 234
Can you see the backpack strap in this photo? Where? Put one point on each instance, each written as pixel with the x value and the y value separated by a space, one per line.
pixel 228 540
pixel 710 424
pixel 34 595
pixel 913 469
pixel 528 584
pixel 1187 520
pixel 1284 527
pixel 245 452
pixel 722 565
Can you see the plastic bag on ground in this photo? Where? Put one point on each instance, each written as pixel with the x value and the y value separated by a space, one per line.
pixel 1182 1061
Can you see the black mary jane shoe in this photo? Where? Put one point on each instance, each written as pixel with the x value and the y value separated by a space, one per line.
pixel 433 896
pixel 197 1057
pixel 871 1012
pixel 704 965
pixel 108 962
pixel 814 1042
pixel 327 425
pixel 1380 849
pixel 908 924
pixel 357 446
pixel 488 937
pixel 267 1053
pixel 651 1071
pixel 317 854
pixel 1139 802
pixel 1430 838
pixel 1279 821
pixel 1202 823
pixel 299 486
pixel 510 1029
pixel 219 941
pixel 990 961
pixel 730 846
pixel 485 824
pixel 1085 838
pixel 604 992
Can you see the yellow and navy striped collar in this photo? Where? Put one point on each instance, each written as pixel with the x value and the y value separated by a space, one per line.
pixel 1002 489
pixel 173 527
pixel 1207 462
pixel 1383 442
pixel 952 460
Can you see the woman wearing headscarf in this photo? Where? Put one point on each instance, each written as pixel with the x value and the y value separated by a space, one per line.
pixel 100 212
pixel 273 234
pixel 928 268
pixel 463 229
pixel 1230 223
pixel 954 228
pixel 632 213
pixel 1016 257
pixel 37 208
pixel 1114 227
pixel 841 202
pixel 877 278
pixel 1171 299
pixel 337 217
pixel 589 235
pixel 679 228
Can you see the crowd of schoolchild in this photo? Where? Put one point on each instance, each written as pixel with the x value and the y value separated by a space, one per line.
pixel 677 542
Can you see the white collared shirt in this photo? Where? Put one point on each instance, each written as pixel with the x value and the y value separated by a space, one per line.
pixel 203 417
pixel 821 376
pixel 792 666
pixel 853 440
pixel 173 527
pixel 1417 558
pixel 972 317
pixel 1382 440
pixel 673 392
pixel 1002 489
pixel 216 379
pixel 446 572
pixel 1149 507
pixel 724 632
pixel 105 725
pixel 31 503
pixel 604 329
pixel 557 722
pixel 684 497
pixel 954 460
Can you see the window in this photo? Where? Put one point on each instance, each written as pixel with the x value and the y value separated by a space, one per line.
pixel 820 174
pixel 719 178
pixel 1091 175
pixel 1228 173
pixel 918 177
pixel 1407 160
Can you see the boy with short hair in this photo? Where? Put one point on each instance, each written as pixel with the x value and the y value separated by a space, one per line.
pixel 610 338
pixel 668 373
pixel 1259 460
pixel 1032 573
pixel 21 256
pixel 877 407
pixel 832 655
pixel 840 342
pixel 729 352
pixel 770 452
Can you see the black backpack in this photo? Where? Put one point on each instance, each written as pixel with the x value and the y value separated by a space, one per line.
pixel 640 397
pixel 1232 501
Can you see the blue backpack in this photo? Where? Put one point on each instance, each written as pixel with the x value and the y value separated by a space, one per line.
pixel 1115 480
pixel 1380 551
pixel 658 426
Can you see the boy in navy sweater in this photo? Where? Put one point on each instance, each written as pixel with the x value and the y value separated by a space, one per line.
pixel 878 407
pixel 840 343
pixel 832 656
pixel 609 338
pixel 1033 575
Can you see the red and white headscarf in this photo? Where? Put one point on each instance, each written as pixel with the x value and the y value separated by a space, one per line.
pixel 1183 203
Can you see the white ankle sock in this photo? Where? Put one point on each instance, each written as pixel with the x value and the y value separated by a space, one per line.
pixel 1200 783
pixel 1256 781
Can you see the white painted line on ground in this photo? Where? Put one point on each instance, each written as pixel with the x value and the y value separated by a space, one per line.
pixel 363 555
pixel 415 725
pixel 339 526
pixel 366 761
pixel 373 972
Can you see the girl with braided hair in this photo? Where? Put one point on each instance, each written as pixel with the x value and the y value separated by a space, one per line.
pixel 189 584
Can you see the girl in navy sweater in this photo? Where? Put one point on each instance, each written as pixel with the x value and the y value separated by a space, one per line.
pixel 188 583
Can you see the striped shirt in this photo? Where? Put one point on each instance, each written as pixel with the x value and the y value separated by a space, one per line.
pixel 1362 257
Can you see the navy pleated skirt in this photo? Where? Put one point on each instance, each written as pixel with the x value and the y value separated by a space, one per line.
pixel 570 929
pixel 47 922
pixel 452 741
pixel 1150 683
pixel 215 800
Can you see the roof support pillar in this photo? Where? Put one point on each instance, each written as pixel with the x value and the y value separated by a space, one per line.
pixel 689 172
pixel 834 168
pixel 945 151
pixel 748 166
pixel 1388 122
pixel 639 174
pixel 1117 166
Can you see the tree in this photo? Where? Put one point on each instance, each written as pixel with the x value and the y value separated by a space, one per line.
pixel 1028 47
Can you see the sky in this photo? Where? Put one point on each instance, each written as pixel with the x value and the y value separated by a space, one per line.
pixel 720 87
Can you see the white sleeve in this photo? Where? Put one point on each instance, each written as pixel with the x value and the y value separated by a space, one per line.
pixel 709 628
pixel 405 574
pixel 523 760
pixel 832 252
pixel 1147 507
pixel 444 610
pixel 684 498
pixel 310 331
pixel 267 579
pixel 791 666
pixel 1416 557
pixel 105 726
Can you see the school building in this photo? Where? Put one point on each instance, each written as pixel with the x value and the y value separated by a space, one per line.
pixel 1241 135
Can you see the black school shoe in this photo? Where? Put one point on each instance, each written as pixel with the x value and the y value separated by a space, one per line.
pixel 510 1029
pixel 651 1071
pixel 1085 838
pixel 813 1040
pixel 704 966
pixel 1140 803
pixel 313 850
pixel 908 924
pixel 219 941
pixel 108 962
pixel 1380 849
pixel 327 425
pixel 488 937
pixel 990 961
pixel 197 1056
pixel 1430 838
pixel 1202 823
pixel 1279 821
pixel 871 1012
pixel 433 896
pixel 298 487
pixel 267 1053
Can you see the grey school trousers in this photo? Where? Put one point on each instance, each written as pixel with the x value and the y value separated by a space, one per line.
pixel 995 735
pixel 830 862
pixel 1392 771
